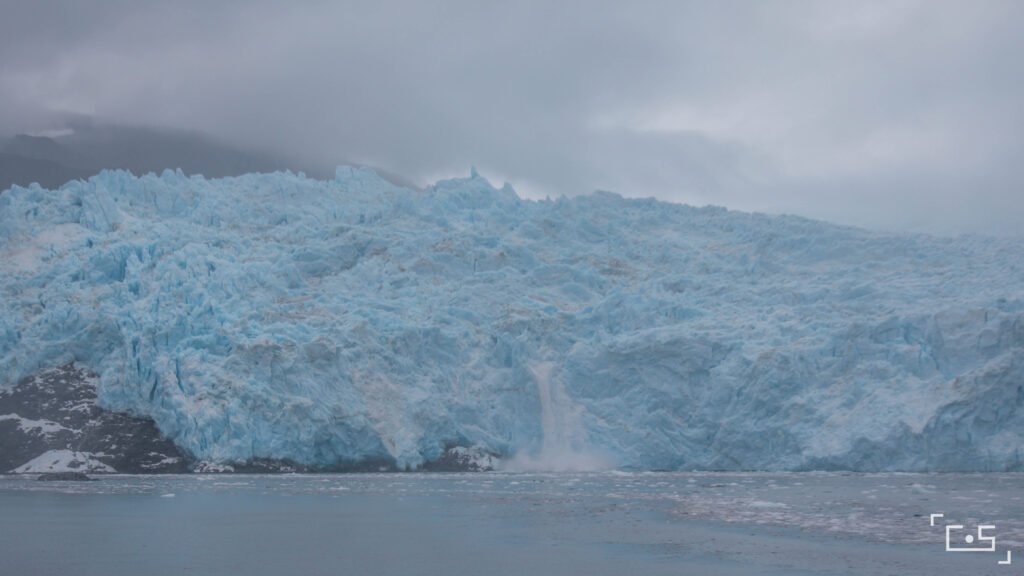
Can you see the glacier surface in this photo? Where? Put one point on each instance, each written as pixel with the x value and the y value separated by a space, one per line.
pixel 325 322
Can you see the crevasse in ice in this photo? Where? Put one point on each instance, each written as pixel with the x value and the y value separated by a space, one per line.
pixel 276 316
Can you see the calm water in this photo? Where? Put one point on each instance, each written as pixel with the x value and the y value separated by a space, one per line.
pixel 535 524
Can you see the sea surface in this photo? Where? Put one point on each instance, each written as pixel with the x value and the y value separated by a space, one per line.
pixel 501 523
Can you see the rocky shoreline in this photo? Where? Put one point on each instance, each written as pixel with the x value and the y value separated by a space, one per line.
pixel 51 425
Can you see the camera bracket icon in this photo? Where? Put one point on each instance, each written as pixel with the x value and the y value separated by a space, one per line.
pixel 960 540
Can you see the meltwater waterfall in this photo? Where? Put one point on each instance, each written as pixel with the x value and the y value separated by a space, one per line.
pixel 563 444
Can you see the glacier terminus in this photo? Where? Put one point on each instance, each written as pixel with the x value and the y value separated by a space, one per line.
pixel 275 316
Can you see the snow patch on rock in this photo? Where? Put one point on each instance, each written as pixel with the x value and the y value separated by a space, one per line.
pixel 64 461
pixel 34 426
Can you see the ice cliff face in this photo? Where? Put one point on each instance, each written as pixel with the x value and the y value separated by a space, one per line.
pixel 274 316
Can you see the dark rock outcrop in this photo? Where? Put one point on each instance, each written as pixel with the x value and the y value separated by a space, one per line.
pixel 56 410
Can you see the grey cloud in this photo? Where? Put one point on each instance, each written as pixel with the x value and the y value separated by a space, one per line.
pixel 900 115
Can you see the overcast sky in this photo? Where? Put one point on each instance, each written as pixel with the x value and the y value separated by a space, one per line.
pixel 892 115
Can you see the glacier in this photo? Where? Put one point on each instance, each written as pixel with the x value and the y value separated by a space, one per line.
pixel 325 322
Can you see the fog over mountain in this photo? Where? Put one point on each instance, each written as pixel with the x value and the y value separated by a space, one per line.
pixel 87 147
pixel 900 116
